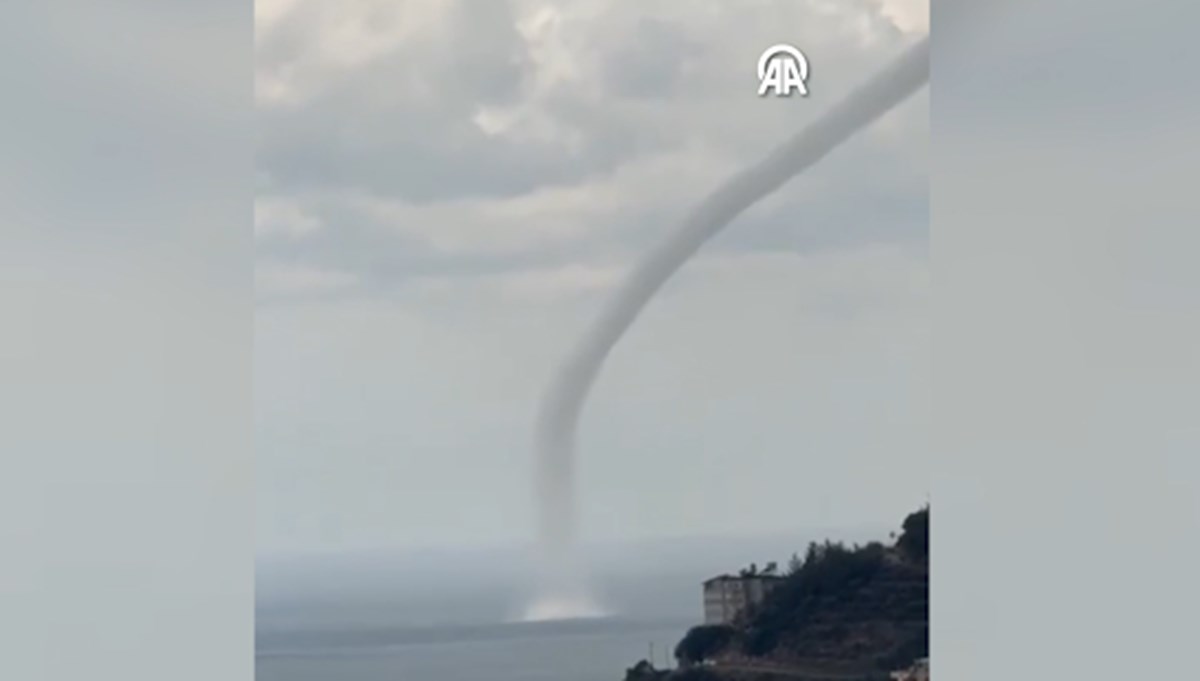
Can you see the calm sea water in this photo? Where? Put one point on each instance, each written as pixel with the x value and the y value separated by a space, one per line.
pixel 593 650
pixel 445 616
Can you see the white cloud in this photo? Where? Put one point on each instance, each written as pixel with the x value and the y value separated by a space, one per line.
pixel 276 216
pixel 326 41
pixel 548 217
pixel 909 15
pixel 532 287
pixel 473 184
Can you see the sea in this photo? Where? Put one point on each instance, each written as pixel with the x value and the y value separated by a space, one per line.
pixel 577 650
pixel 459 615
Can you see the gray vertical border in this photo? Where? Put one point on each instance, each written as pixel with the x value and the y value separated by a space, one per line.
pixel 126 498
pixel 1064 243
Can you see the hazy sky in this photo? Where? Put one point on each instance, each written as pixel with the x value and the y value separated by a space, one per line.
pixel 448 190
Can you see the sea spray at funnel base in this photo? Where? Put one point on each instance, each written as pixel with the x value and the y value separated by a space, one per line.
pixel 562 402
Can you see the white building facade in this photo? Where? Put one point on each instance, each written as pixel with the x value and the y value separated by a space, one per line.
pixel 727 597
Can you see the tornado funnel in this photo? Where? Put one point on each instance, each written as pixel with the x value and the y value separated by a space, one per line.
pixel 558 416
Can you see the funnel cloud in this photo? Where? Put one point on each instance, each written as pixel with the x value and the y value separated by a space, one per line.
pixel 563 588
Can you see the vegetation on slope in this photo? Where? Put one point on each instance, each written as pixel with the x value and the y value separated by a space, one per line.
pixel 702 642
pixel 854 607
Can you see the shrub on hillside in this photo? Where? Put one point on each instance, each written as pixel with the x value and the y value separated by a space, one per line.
pixel 914 541
pixel 703 642
pixel 829 571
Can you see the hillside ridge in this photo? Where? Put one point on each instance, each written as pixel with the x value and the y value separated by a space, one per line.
pixel 839 612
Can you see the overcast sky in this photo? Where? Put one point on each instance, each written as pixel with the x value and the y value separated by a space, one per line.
pixel 448 190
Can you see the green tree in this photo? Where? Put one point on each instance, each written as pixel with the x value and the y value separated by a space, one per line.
pixel 914 540
pixel 702 642
pixel 795 563
pixel 830 571
pixel 643 671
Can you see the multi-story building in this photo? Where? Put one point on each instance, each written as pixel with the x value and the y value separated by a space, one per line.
pixel 728 596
